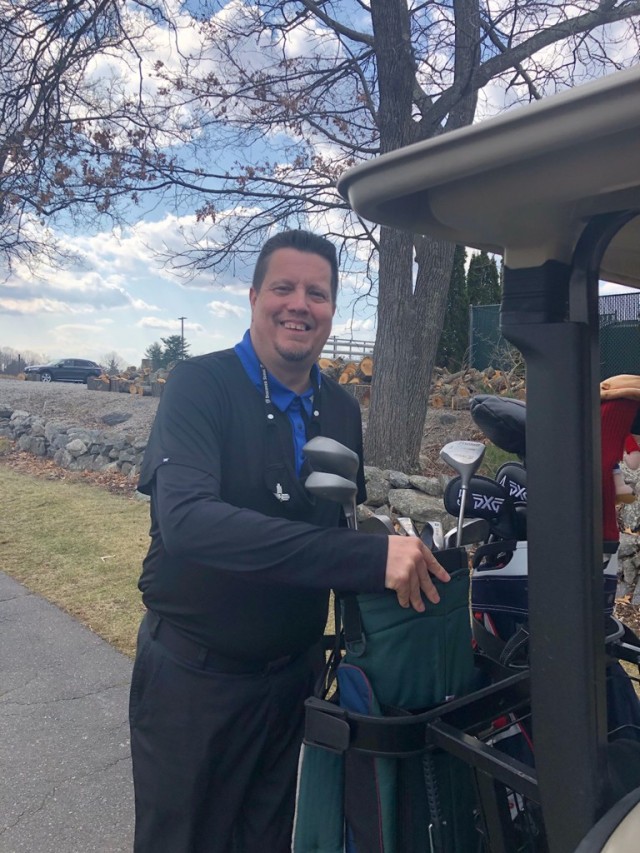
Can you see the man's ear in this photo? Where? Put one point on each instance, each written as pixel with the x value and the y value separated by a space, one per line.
pixel 253 295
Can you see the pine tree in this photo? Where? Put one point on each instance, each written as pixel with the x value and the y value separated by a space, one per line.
pixel 454 340
pixel 175 349
pixel 483 280
pixel 155 355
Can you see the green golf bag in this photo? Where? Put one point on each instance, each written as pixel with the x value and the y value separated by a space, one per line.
pixel 369 781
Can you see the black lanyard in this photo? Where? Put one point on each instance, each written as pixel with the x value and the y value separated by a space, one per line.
pixel 280 471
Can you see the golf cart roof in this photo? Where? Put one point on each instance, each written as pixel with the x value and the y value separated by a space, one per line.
pixel 522 184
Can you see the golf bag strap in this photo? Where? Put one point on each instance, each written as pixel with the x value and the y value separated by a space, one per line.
pixel 497 649
pixel 337 729
pixel 354 637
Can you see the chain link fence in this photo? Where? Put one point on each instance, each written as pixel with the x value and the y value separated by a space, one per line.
pixel 619 336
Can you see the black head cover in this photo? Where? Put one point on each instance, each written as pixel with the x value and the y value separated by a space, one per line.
pixel 485 499
pixel 502 420
pixel 512 476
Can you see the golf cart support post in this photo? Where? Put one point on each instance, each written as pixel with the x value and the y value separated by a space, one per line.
pixel 554 187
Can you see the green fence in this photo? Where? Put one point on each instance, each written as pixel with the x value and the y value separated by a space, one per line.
pixel 619 336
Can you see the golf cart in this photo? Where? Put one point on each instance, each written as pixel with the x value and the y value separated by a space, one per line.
pixel 553 187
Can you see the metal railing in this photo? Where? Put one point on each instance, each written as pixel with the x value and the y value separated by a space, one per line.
pixel 347 348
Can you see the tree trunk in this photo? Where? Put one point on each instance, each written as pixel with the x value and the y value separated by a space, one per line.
pixel 410 319
pixel 409 326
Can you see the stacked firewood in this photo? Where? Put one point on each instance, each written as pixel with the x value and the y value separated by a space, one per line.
pixel 141 381
pixel 348 372
pixel 448 389
pixel 453 390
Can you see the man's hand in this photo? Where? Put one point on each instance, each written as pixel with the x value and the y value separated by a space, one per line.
pixel 409 566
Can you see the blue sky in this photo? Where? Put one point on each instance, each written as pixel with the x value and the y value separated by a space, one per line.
pixel 118 296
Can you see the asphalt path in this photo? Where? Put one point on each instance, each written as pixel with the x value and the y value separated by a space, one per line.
pixel 65 767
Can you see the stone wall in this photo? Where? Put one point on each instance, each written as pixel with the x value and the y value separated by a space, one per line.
pixel 74 448
pixel 390 493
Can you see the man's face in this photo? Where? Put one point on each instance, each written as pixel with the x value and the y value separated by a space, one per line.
pixel 292 311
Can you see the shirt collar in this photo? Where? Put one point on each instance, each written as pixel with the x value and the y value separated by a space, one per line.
pixel 281 396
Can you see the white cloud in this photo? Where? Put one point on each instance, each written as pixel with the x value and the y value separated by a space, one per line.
pixel 225 309
pixel 173 326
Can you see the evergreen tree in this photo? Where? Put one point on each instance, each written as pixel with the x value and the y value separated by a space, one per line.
pixel 454 340
pixel 483 280
pixel 175 349
pixel 155 355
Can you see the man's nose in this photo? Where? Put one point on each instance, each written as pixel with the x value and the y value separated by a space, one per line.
pixel 298 300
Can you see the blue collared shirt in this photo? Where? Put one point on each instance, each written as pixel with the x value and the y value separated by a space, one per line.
pixel 281 396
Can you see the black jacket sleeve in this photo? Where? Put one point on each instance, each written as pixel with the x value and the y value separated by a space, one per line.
pixel 199 527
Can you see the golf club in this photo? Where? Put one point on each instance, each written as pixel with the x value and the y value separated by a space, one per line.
pixel 432 535
pixel 333 487
pixel 408 526
pixel 465 458
pixel 326 454
pixel 377 524
pixel 473 530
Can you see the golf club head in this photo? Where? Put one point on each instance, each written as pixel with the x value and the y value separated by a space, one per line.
pixel 502 420
pixel 464 457
pixel 333 487
pixel 473 530
pixel 326 454
pixel 432 535
pixel 378 524
pixel 512 476
pixel 488 500
pixel 408 526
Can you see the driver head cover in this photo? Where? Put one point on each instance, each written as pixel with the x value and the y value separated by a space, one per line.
pixel 625 386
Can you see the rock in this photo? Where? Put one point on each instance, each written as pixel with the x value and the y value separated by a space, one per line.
pixel 397 480
pixel 377 486
pixel 418 506
pixel 428 485
pixel 76 447
pixel 114 418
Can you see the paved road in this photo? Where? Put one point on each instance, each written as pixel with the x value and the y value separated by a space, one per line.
pixel 65 769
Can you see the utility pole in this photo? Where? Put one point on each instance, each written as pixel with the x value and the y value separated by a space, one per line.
pixel 182 319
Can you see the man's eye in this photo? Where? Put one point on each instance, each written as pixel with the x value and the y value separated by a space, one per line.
pixel 318 295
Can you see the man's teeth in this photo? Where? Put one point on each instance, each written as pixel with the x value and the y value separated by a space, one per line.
pixel 299 327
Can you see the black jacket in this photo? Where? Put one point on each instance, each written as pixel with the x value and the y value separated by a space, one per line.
pixel 241 557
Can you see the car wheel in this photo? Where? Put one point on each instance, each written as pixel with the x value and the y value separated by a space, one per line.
pixel 46 377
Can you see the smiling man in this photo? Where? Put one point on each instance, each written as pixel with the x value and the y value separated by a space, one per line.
pixel 239 569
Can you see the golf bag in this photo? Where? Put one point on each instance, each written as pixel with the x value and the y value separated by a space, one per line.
pixel 369 781
pixel 499 586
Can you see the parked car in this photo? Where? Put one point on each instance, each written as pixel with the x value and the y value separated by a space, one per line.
pixel 66 370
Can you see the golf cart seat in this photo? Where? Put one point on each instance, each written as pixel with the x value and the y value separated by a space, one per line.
pixel 618 830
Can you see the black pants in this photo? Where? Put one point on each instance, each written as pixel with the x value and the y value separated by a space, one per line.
pixel 214 755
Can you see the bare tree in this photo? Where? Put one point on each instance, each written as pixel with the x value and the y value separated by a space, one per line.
pixel 337 83
pixel 322 85
pixel 113 363
pixel 71 106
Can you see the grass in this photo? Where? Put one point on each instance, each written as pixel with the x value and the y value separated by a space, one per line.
pixel 494 457
pixel 79 547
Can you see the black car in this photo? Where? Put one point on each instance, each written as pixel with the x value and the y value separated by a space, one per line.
pixel 66 370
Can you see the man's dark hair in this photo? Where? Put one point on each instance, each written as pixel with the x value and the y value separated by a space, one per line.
pixel 302 241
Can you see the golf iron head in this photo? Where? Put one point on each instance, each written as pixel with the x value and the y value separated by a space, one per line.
pixel 473 530
pixel 432 535
pixel 381 524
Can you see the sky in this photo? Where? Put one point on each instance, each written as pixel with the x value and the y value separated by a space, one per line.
pixel 118 295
